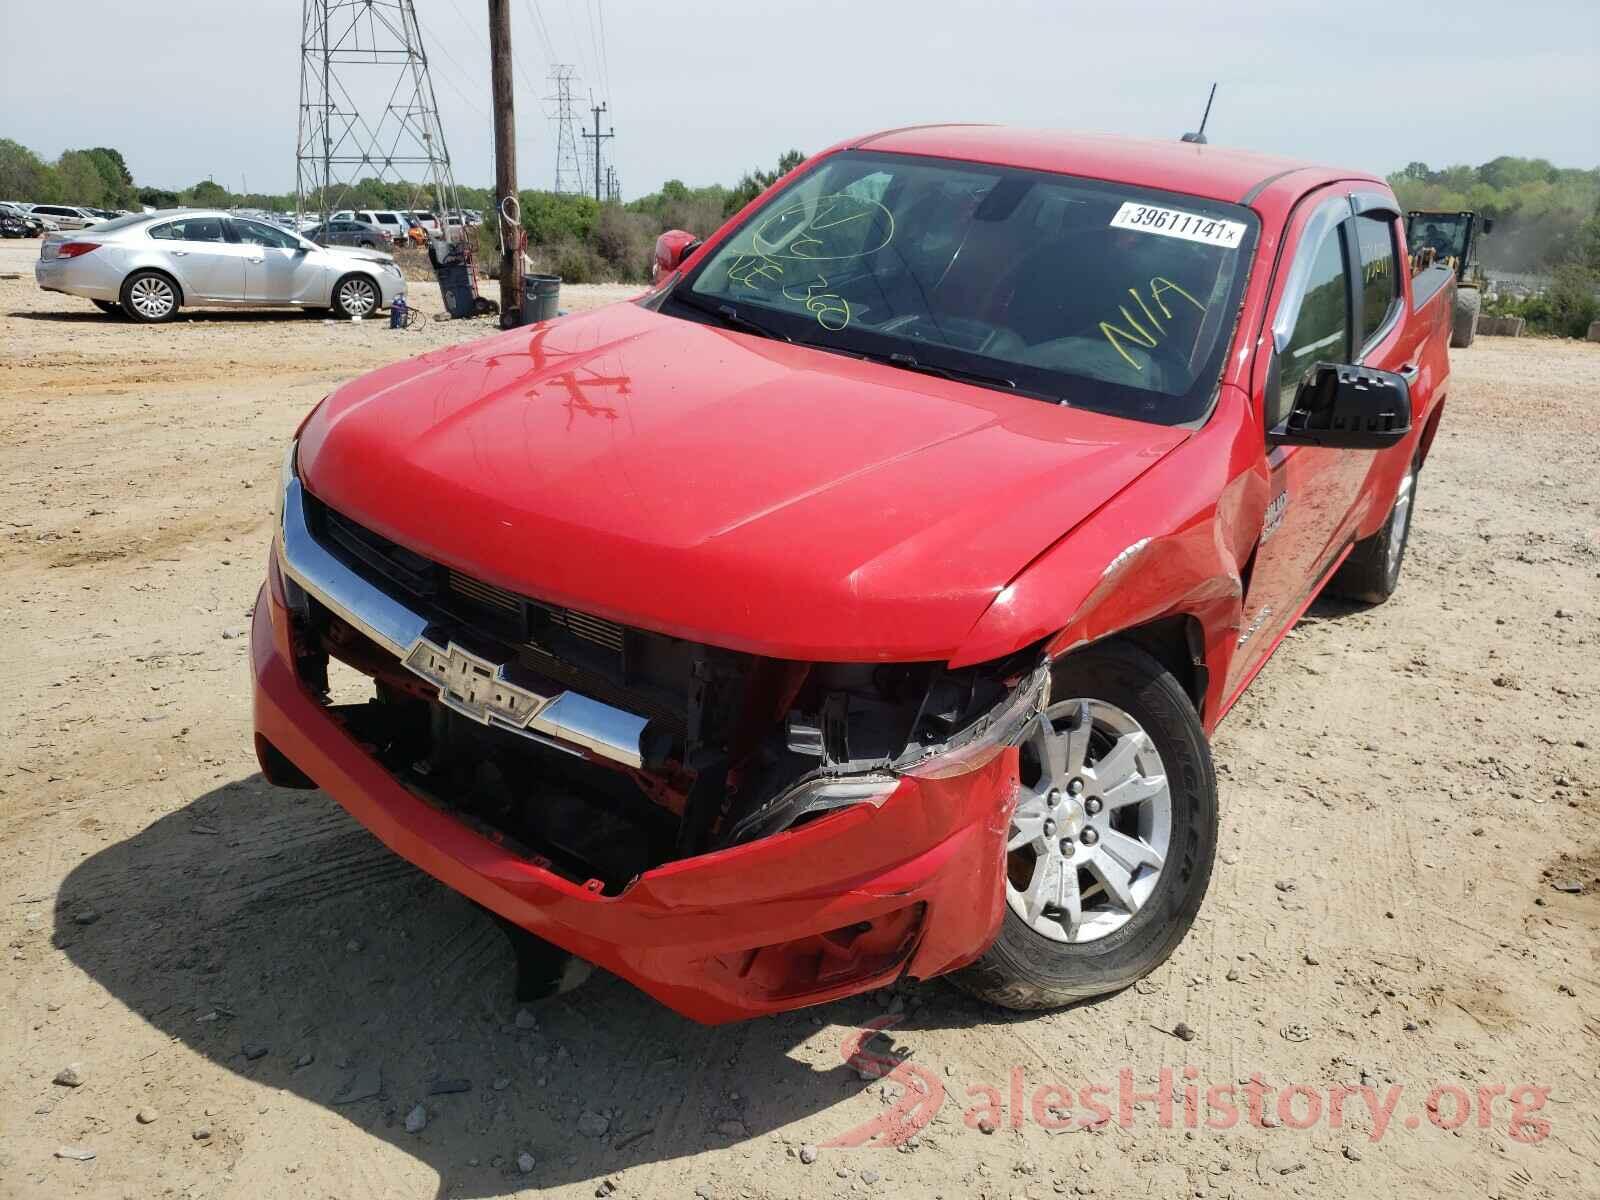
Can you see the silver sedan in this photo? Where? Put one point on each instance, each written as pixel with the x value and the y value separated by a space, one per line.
pixel 148 265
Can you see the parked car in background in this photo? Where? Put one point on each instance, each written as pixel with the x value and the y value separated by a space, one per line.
pixel 348 233
pixel 391 222
pixel 66 216
pixel 970 476
pixel 13 226
pixel 34 226
pixel 149 265
pixel 428 221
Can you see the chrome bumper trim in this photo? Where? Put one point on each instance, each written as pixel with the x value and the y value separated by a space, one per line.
pixel 568 718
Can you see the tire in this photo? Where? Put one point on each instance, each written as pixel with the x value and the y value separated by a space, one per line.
pixel 1465 325
pixel 1026 968
pixel 1372 572
pixel 151 297
pixel 348 296
pixel 109 307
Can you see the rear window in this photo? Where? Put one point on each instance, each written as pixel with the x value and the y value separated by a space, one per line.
pixel 120 222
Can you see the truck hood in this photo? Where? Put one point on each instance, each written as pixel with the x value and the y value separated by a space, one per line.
pixel 717 486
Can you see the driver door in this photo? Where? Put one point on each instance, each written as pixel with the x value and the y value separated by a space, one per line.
pixel 1311 489
pixel 278 270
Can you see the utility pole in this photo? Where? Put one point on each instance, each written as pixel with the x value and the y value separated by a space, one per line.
pixel 599 139
pixel 505 162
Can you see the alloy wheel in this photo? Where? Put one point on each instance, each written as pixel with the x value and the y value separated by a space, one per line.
pixel 1090 834
pixel 357 297
pixel 152 296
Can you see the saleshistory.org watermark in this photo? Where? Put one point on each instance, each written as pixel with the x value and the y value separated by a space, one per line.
pixel 1178 1099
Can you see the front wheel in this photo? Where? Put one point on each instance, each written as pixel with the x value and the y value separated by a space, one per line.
pixel 355 296
pixel 1111 843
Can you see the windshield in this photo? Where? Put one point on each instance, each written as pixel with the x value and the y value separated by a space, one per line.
pixel 1443 233
pixel 1089 293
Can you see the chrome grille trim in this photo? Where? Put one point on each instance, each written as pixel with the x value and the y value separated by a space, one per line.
pixel 568 717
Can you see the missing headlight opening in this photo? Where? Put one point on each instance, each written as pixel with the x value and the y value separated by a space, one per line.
pixel 730 747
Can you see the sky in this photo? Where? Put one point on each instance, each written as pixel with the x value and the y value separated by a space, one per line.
pixel 703 91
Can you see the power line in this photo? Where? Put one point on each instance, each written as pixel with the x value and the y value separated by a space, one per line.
pixel 605 51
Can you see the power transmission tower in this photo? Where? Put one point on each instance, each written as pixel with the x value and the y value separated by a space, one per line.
pixel 599 140
pixel 367 107
pixel 569 167
pixel 613 186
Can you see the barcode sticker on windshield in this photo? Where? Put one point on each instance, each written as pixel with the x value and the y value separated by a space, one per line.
pixel 1172 222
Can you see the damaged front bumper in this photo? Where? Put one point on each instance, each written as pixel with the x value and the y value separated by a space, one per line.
pixel 842 883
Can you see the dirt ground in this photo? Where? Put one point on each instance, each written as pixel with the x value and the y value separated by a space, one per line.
pixel 1406 791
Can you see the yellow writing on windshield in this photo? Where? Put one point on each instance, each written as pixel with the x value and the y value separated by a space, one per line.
pixel 755 270
pixel 831 309
pixel 1132 331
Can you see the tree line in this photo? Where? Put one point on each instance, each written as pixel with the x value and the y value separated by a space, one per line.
pixel 1547 217
pixel 1547 222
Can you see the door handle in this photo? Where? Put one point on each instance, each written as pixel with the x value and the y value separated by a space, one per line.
pixel 257 260
pixel 1409 372
pixel 180 254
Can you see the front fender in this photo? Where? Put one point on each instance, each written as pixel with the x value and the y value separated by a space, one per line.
pixel 1171 543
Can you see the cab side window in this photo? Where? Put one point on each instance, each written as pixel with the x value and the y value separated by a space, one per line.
pixel 1322 328
pixel 1380 281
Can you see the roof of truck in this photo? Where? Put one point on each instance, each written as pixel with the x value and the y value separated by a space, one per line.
pixel 1216 172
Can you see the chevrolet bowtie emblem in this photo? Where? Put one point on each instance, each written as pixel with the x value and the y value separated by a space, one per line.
pixel 474 686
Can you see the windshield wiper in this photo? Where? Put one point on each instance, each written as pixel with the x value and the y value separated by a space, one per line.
pixel 732 317
pixel 908 362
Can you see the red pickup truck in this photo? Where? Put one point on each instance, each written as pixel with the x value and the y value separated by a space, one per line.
pixel 857 602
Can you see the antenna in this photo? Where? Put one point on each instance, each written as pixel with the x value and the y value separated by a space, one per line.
pixel 1199 136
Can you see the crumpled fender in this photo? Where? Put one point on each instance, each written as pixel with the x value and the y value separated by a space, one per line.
pixel 1172 542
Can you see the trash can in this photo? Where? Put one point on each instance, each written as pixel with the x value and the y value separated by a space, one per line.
pixel 541 294
pixel 455 285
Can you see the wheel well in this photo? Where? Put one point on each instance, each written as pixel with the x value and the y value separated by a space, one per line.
pixel 1177 643
pixel 167 275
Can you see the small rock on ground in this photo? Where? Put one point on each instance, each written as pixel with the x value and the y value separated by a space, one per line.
pixel 525 1163
pixel 592 1124
pixel 75 1153
pixel 417 1120
pixel 808 1154
pixel 147 1116
pixel 70 1075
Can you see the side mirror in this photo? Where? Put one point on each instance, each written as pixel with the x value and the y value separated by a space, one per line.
pixel 672 247
pixel 1347 408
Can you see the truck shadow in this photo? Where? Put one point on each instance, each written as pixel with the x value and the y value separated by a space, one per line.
pixel 267 931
